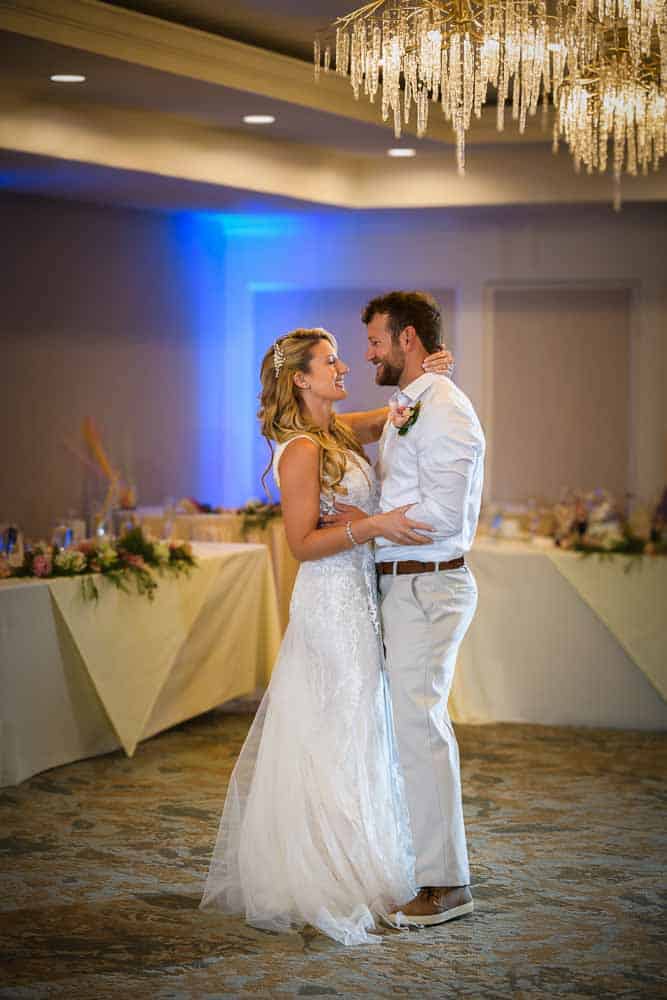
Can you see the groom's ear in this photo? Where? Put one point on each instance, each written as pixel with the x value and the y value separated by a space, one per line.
pixel 408 338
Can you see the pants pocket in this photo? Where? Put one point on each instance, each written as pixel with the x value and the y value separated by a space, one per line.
pixel 432 591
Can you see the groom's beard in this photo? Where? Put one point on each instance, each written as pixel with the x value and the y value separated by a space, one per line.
pixel 389 372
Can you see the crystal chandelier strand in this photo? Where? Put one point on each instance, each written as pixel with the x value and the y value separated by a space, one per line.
pixel 468 80
pixel 480 83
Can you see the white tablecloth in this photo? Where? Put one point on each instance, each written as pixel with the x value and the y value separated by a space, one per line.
pixel 561 640
pixel 78 679
pixel 228 527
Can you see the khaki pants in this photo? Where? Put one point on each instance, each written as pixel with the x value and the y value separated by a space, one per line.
pixel 424 619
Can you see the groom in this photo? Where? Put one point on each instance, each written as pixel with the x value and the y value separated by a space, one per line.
pixel 431 454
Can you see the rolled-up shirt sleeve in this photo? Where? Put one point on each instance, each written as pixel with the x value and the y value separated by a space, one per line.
pixel 448 458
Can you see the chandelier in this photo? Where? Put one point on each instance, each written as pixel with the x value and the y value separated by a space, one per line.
pixel 614 106
pixel 602 63
pixel 611 108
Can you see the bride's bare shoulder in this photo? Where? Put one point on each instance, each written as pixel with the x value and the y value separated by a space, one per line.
pixel 298 458
pixel 300 444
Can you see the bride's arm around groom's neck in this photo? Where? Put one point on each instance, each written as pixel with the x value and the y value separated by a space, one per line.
pixel 366 424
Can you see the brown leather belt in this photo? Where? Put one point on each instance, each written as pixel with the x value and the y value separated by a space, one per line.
pixel 412 566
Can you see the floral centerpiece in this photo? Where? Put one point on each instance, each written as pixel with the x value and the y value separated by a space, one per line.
pixel 190 505
pixel 592 523
pixel 131 561
pixel 257 514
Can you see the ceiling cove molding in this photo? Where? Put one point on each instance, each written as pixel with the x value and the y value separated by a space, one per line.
pixel 172 48
pixel 168 146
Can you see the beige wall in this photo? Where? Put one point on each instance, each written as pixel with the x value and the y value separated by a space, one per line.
pixel 93 322
pixel 560 408
pixel 126 316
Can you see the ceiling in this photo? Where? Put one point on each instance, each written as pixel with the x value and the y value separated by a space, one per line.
pixel 169 81
pixel 27 63
pixel 285 26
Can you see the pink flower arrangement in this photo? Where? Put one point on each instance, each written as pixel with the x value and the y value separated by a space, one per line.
pixel 133 560
pixel 41 565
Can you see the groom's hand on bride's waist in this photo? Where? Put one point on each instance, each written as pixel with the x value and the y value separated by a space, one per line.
pixel 394 525
pixel 397 527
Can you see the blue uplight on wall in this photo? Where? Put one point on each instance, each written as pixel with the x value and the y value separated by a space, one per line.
pixel 258 226
pixel 228 258
pixel 201 245
pixel 243 273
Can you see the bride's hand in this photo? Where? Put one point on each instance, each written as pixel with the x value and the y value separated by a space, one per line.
pixel 440 363
pixel 344 513
pixel 398 528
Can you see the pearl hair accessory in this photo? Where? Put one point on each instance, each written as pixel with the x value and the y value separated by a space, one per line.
pixel 278 358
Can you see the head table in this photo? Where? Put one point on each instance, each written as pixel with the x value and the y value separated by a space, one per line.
pixel 79 679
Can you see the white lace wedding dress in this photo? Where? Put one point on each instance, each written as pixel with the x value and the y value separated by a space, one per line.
pixel 315 827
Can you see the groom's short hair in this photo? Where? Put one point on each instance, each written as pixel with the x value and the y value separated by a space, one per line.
pixel 418 309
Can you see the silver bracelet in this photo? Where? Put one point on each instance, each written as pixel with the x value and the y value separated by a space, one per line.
pixel 348 530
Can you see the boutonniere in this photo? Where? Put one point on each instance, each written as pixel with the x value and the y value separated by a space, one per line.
pixel 403 417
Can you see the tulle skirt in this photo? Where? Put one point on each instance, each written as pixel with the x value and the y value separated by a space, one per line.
pixel 315 827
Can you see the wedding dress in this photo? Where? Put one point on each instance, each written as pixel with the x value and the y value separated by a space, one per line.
pixel 315 827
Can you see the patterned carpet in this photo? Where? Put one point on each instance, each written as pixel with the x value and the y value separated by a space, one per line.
pixel 103 864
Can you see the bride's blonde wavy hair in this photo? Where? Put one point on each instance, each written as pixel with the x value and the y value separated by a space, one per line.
pixel 282 415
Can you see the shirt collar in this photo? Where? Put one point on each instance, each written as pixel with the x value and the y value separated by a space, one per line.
pixel 419 385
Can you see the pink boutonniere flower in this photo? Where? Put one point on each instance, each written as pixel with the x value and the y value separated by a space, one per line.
pixel 402 415
pixel 399 415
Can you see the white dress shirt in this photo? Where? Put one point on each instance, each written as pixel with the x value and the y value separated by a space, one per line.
pixel 438 466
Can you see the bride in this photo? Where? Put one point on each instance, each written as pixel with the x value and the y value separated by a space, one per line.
pixel 315 827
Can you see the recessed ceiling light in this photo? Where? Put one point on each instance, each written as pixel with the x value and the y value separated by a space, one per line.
pixel 259 119
pixel 402 151
pixel 67 78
